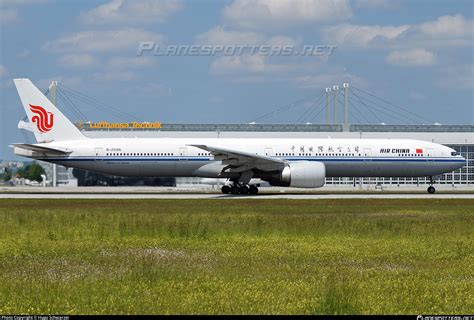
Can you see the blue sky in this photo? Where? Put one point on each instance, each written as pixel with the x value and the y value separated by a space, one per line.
pixel 416 54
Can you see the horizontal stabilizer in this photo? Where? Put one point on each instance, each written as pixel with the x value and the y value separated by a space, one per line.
pixel 38 149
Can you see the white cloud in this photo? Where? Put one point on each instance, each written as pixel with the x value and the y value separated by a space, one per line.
pixel 3 71
pixel 363 36
pixel 254 68
pixel 131 12
pixel 306 74
pixel 78 60
pixel 264 14
pixel 226 65
pixel 445 31
pixel 219 36
pixel 413 57
pixel 112 76
pixel 283 41
pixel 102 41
pixel 246 67
pixel 258 68
pixel 130 62
pixel 448 27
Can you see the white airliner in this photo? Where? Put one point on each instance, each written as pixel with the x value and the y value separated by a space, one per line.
pixel 300 163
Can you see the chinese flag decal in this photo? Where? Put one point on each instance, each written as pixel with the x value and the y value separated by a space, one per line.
pixel 419 150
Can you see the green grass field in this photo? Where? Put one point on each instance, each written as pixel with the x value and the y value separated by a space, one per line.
pixel 237 256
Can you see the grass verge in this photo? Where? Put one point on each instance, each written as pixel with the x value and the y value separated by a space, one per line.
pixel 237 257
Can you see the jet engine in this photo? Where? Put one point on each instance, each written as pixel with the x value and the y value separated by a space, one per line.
pixel 301 174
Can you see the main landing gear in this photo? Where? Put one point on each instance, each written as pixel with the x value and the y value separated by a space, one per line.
pixel 238 188
pixel 431 189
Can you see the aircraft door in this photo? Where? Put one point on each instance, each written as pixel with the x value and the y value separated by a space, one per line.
pixel 98 153
pixel 367 153
pixel 429 153
pixel 182 153
pixel 98 158
pixel 268 152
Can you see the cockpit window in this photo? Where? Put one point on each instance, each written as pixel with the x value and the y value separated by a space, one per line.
pixel 454 153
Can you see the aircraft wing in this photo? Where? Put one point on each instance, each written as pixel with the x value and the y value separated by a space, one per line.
pixel 239 161
pixel 40 149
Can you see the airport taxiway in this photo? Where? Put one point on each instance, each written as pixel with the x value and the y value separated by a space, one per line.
pixel 27 192
pixel 223 197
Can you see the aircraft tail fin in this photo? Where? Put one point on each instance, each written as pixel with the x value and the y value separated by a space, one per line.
pixel 49 124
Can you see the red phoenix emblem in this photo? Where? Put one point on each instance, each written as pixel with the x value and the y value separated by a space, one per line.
pixel 44 120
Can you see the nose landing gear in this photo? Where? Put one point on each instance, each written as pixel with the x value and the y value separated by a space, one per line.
pixel 431 189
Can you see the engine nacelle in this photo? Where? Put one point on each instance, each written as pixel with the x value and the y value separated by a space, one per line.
pixel 302 174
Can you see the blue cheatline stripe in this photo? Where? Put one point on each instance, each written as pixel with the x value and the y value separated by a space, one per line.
pixel 360 159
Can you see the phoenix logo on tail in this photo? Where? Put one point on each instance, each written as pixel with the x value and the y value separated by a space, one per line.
pixel 44 120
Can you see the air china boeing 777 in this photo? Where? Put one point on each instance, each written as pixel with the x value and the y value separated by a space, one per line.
pixel 300 163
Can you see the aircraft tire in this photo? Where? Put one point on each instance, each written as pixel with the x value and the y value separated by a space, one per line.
pixel 225 189
pixel 235 190
pixel 244 190
pixel 253 190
